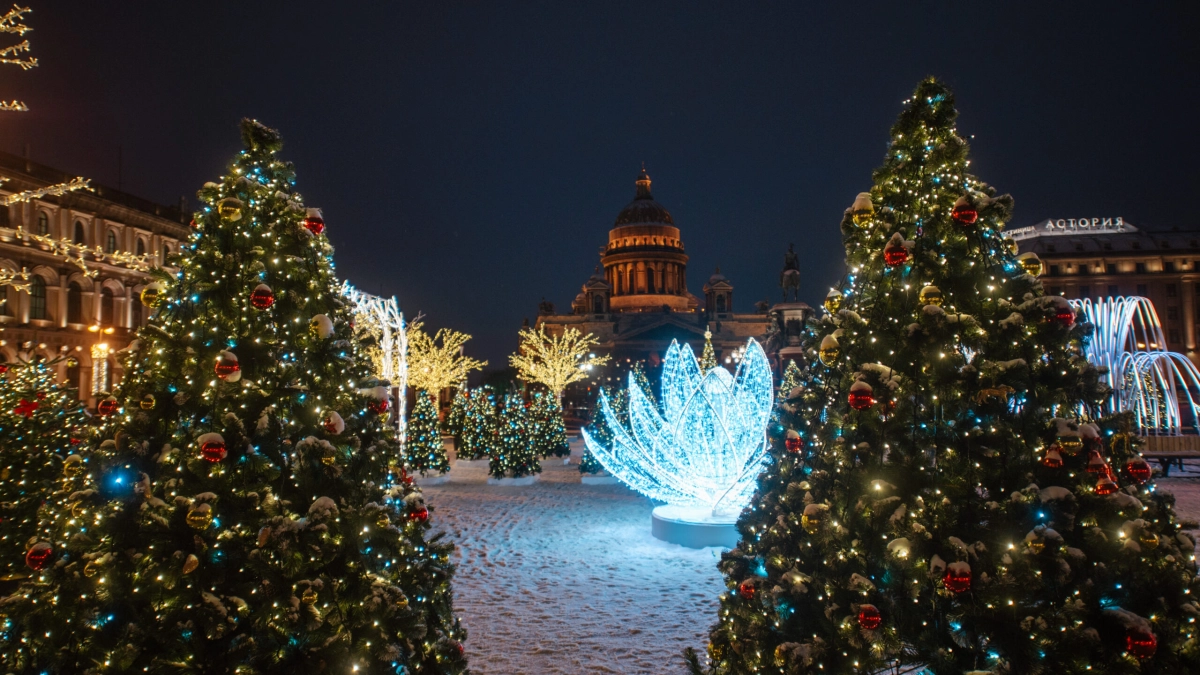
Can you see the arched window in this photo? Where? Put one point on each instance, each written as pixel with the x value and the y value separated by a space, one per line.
pixel 166 252
pixel 80 235
pixel 37 298
pixel 74 303
pixel 632 281
pixel 650 281
pixel 107 307
pixel 73 372
pixel 720 303
pixel 43 224
pixel 597 304
pixel 141 246
pixel 110 242
pixel 135 310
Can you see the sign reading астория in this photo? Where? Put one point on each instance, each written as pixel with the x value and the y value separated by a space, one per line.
pixel 1069 226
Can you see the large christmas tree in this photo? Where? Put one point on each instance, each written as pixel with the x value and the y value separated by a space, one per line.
pixel 42 428
pixel 255 522
pixel 933 498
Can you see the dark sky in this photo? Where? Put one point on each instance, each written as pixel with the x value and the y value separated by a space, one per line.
pixel 471 157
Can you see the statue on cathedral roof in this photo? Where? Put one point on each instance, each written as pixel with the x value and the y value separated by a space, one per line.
pixel 789 278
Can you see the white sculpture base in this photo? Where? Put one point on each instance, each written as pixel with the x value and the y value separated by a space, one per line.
pixel 523 480
pixel 693 528
pixel 468 463
pixel 434 479
pixel 598 479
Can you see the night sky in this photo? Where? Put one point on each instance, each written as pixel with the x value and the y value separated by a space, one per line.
pixel 471 157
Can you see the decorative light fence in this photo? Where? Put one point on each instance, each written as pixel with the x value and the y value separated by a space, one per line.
pixel 1160 387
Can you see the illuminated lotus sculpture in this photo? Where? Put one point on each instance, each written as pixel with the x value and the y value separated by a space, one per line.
pixel 700 453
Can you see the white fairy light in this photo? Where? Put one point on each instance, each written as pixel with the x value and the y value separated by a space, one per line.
pixel 707 446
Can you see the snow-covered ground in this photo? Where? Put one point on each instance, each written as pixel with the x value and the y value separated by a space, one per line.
pixel 561 577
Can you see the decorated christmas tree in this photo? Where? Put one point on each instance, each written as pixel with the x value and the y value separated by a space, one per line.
pixel 514 455
pixel 457 416
pixel 791 379
pixel 479 426
pixel 549 436
pixel 618 400
pixel 42 428
pixel 254 521
pixel 942 496
pixel 708 359
pixel 423 447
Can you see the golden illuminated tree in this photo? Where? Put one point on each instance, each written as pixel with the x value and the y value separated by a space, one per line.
pixel 555 360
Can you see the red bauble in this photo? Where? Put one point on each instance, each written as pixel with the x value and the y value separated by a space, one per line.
pixel 1065 317
pixel 3 368
pixel 226 365
pixel 108 406
pixel 861 399
pixel 419 515
pixel 1141 644
pixel 213 451
pixel 895 255
pixel 1139 469
pixel 958 578
pixel 965 214
pixel 1105 486
pixel 314 224
pixel 746 589
pixel 379 407
pixel 39 555
pixel 262 297
pixel 193 223
pixel 1096 463
pixel 869 617
pixel 26 408
pixel 41 395
pixel 793 444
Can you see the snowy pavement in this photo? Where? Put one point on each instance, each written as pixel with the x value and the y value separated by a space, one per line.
pixel 561 577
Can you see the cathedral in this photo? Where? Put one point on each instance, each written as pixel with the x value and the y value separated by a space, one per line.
pixel 637 300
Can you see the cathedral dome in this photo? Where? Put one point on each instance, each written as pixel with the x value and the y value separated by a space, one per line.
pixel 643 209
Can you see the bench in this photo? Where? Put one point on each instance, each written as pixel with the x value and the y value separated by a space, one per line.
pixel 1166 459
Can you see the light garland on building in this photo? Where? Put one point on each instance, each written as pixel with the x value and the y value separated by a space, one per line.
pixel 704 450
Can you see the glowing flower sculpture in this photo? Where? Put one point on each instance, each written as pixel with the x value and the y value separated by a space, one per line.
pixel 703 451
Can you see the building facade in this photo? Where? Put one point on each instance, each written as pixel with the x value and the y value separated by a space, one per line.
pixel 1100 257
pixel 638 301
pixel 83 318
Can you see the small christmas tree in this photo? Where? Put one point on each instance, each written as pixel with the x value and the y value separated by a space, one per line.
pixel 708 360
pixel 42 426
pixel 639 376
pixel 791 379
pixel 548 433
pixel 480 424
pixel 423 447
pixel 618 400
pixel 254 520
pixel 514 456
pixel 931 505
pixel 457 416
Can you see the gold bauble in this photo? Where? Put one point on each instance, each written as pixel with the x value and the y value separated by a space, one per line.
pixel 308 597
pixel 830 350
pixel 930 295
pixel 781 653
pixel 200 517
pixel 190 564
pixel 230 209
pixel 72 466
pixel 148 402
pixel 810 524
pixel 1070 444
pixel 151 295
pixel 383 520
pixel 91 569
pixel 78 509
pixel 402 601
pixel 1012 245
pixel 329 456
pixel 1030 263
pixel 1036 545
pixel 1149 540
pixel 833 302
pixel 862 212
